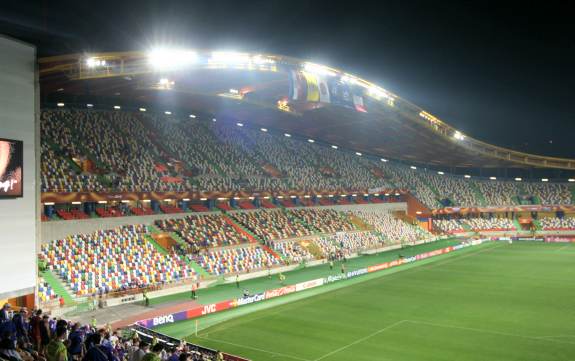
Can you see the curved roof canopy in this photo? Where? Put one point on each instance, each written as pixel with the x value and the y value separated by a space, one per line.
pixel 278 92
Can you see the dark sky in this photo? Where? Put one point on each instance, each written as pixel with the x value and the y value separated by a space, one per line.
pixel 499 71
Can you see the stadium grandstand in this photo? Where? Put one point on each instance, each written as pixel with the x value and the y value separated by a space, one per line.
pixel 175 186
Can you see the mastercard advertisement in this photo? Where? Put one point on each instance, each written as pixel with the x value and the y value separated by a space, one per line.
pixel 11 155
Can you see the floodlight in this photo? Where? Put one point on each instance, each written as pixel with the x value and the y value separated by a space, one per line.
pixel 383 160
pixel 493 178
pixel 467 176
pixel 263 130
pixel 192 116
pixel 440 173
pixel 571 180
pixel 518 179
pixel 142 109
pixel 458 135
pixel 240 124
pixel 60 105
pixel 413 167
pixel 90 105
pixel 167 112
pixel 214 120
pixel 544 180
pixel 229 57
pixel 117 107
pixel 334 146
pixel 287 135
pixel 311 140
pixel 170 59
pixel 358 153
pixel 94 62
pixel 318 69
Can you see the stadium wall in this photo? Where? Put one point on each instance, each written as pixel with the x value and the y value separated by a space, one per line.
pixel 19 120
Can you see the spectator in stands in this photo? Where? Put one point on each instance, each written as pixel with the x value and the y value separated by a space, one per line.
pixel 56 350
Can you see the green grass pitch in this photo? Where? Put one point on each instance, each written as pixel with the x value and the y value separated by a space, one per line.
pixel 492 302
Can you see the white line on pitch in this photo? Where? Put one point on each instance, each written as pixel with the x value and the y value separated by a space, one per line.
pixel 254 348
pixel 360 340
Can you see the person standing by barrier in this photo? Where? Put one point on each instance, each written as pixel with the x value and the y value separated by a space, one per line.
pixel 237 281
pixel 194 286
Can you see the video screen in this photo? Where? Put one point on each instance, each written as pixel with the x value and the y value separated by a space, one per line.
pixel 11 157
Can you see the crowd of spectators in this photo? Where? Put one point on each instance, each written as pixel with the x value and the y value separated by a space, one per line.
pixel 32 335
pixel 557 224
pixel 202 231
pixel 236 260
pixel 112 260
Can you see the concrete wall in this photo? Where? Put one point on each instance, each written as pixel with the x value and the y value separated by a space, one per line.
pixel 19 121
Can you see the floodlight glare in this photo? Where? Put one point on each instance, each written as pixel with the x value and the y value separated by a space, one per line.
pixel 311 140
pixel 440 173
pixel 170 59
pixel 334 146
pixel 240 124
pixel 192 116
pixel 467 176
pixel 544 180
pixel 518 179
pixel 60 105
pixel 142 109
pixel 358 153
pixel 263 130
pixel 571 180
pixel 457 135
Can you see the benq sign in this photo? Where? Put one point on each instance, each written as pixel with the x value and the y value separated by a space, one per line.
pixel 160 320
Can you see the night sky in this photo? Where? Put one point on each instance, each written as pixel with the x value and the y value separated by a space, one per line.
pixel 500 73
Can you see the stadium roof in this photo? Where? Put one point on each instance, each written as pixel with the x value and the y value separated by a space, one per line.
pixel 276 92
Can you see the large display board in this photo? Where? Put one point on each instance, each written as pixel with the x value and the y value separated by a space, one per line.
pixel 18 163
pixel 11 158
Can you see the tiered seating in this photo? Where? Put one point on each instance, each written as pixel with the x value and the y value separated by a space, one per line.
pixel 106 212
pixel 326 202
pixel 44 218
pixel 394 230
pixel 499 193
pixel 73 213
pixel 324 220
pixel 236 260
pixel 357 241
pixel 458 190
pixel 204 230
pixel 135 152
pixel 246 205
pixel 549 193
pixel 112 260
pixel 272 224
pixel 199 208
pixel 287 203
pixel 448 225
pixel 267 204
pixel 224 206
pixel 292 251
pixel 166 208
pixel 141 211
pixel 45 291
pixel 490 224
pixel 557 224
